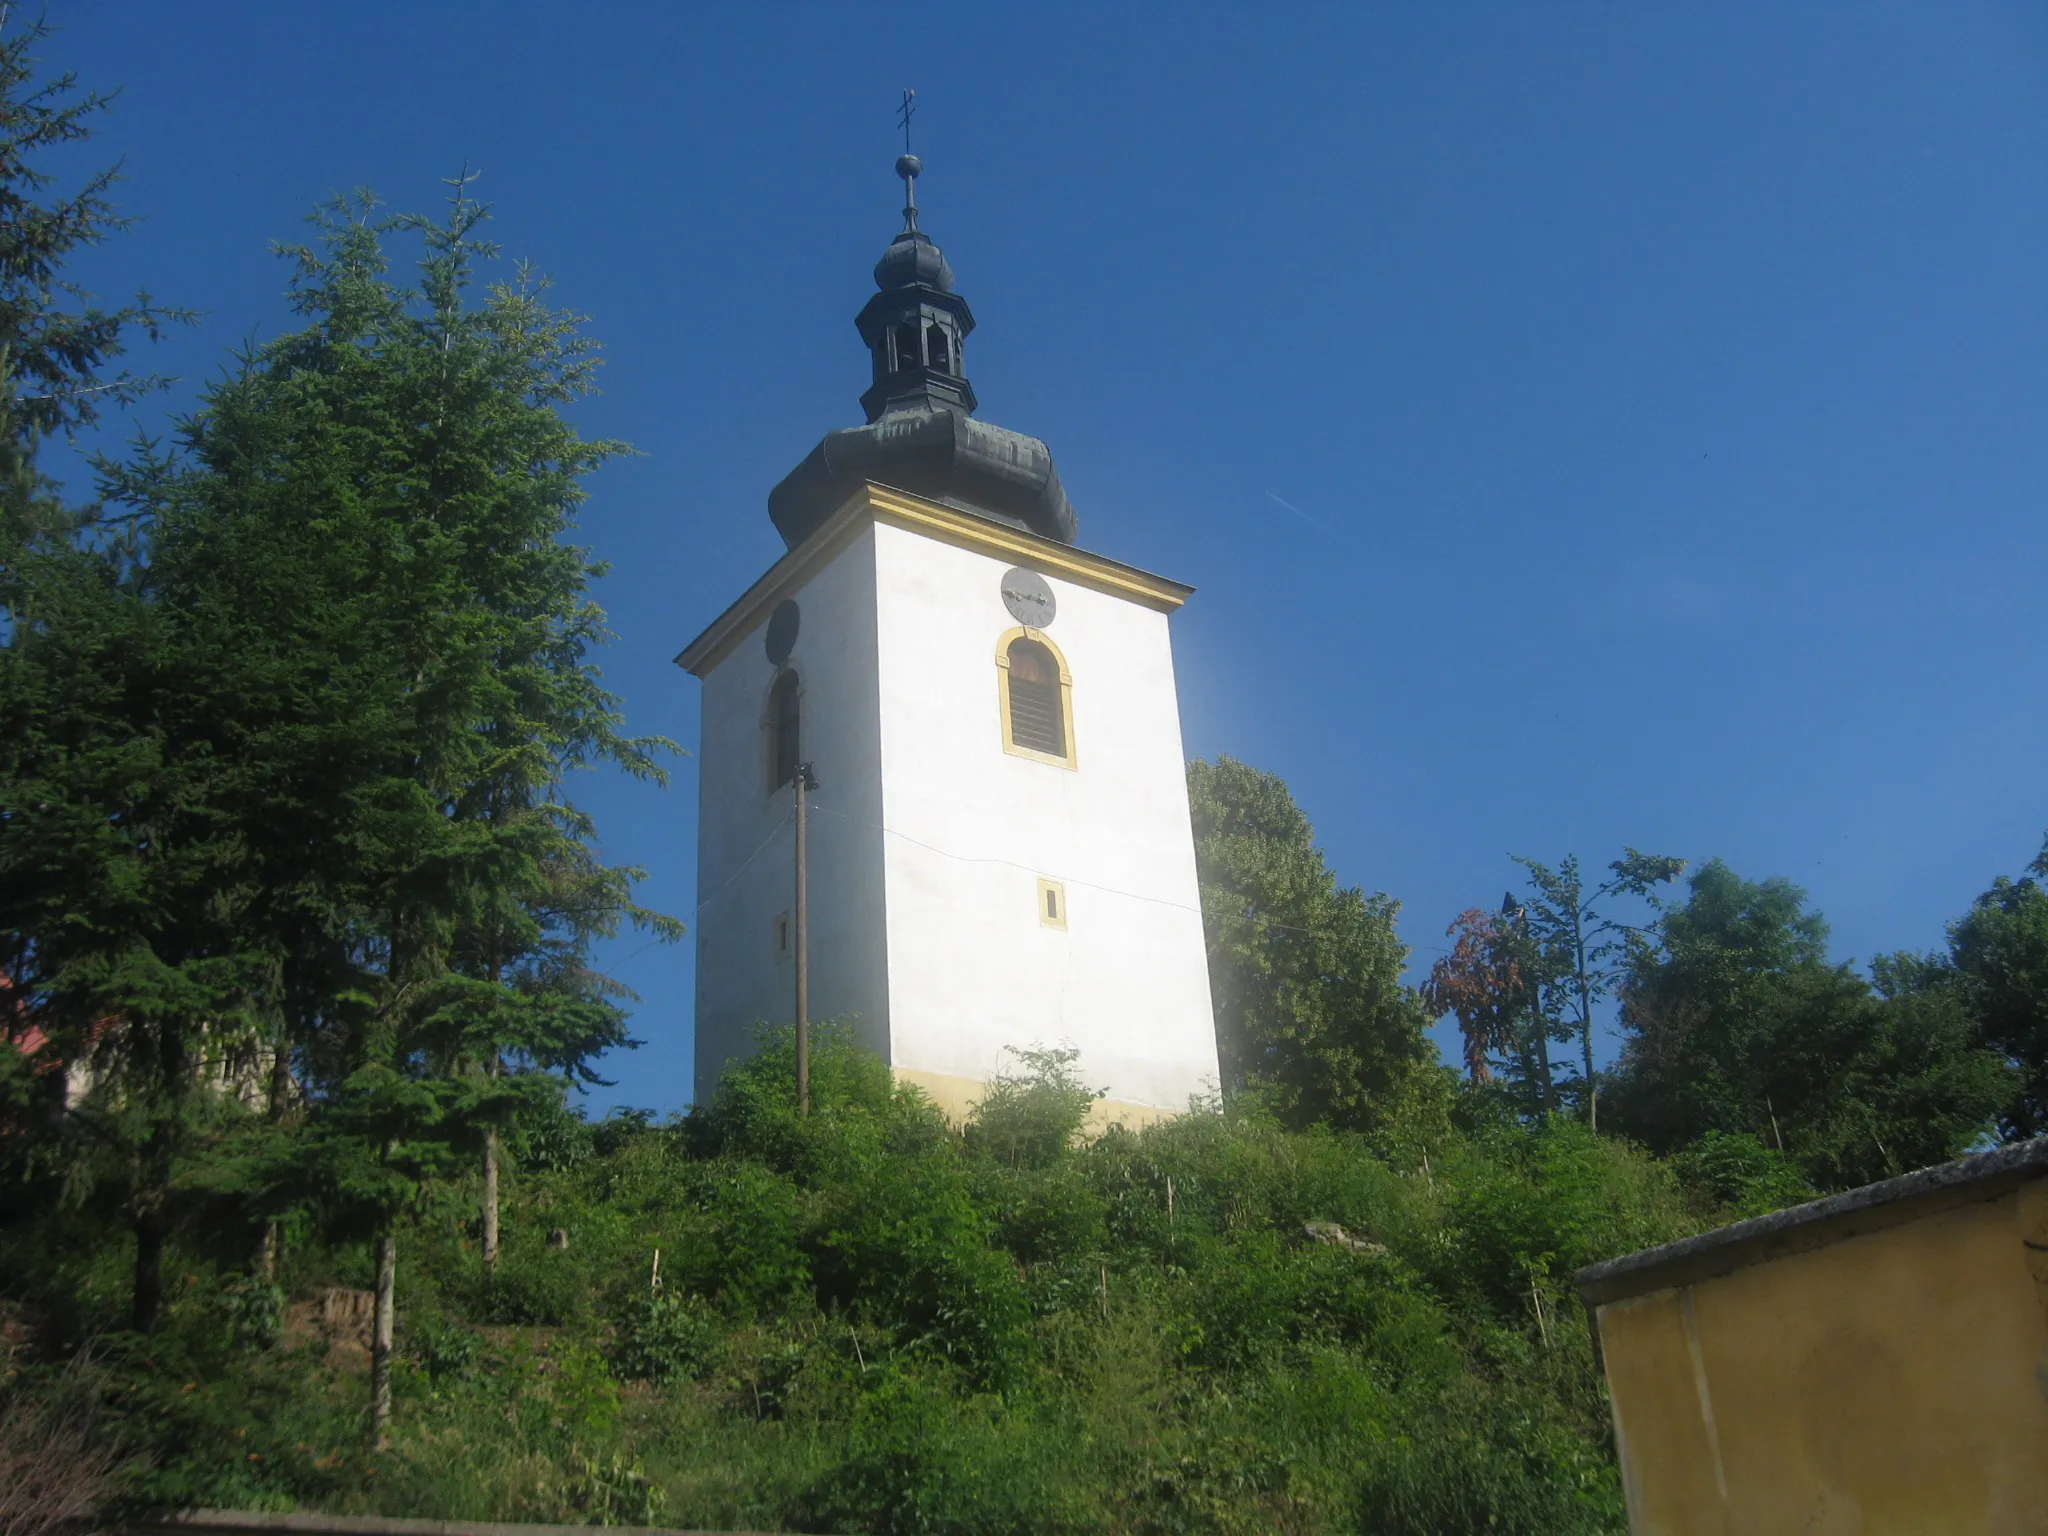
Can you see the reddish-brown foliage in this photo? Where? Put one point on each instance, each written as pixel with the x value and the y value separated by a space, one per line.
pixel 1479 981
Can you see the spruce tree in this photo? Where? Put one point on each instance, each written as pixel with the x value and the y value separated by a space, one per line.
pixel 57 346
pixel 288 818
pixel 76 647
pixel 365 526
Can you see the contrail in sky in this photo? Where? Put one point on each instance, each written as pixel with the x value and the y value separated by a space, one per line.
pixel 1313 522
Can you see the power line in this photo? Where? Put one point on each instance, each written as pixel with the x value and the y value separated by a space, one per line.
pixel 964 858
pixel 787 818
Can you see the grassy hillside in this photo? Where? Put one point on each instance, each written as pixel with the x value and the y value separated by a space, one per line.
pixel 869 1321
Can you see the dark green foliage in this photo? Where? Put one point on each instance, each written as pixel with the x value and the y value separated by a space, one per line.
pixel 285 782
pixel 664 1337
pixel 531 1285
pixel 1737 1023
pixel 871 1321
pixel 445 1353
pixel 921 1459
pixel 1031 1115
pixel 251 1311
pixel 1493 1467
pixel 1734 1170
pixel 57 347
pixel 1999 950
pixel 1311 1013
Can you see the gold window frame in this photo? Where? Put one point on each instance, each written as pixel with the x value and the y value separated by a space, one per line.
pixel 1052 894
pixel 1070 760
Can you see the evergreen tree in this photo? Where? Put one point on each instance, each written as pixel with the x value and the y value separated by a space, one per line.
pixel 79 780
pixel 365 525
pixel 1312 1017
pixel 56 345
pixel 298 802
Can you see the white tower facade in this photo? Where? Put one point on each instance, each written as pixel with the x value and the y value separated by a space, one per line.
pixel 999 851
pixel 968 889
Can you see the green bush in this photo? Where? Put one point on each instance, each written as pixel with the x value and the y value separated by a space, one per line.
pixel 664 1337
pixel 1029 1117
pixel 1491 1466
pixel 909 1245
pixel 1043 1215
pixel 921 1460
pixel 444 1353
pixel 741 1239
pixel 532 1286
pixel 1737 1171
pixel 251 1311
pixel 869 1321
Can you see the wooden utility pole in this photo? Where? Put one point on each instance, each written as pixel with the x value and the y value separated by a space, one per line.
pixel 804 780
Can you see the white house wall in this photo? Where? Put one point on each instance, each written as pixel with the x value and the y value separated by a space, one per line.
pixel 972 828
pixel 745 857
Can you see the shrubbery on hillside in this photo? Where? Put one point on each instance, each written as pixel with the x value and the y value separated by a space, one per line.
pixel 869 1321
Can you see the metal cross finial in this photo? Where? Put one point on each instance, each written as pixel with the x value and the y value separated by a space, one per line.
pixel 907 164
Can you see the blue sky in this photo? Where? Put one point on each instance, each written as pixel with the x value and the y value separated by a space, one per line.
pixel 1585 425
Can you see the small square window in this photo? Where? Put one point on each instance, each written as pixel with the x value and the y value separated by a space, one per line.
pixel 1052 904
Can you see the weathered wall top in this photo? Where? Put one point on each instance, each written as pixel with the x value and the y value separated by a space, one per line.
pixel 1817 1224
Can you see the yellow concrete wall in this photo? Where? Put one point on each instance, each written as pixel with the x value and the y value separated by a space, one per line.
pixel 1893 1382
pixel 957 1096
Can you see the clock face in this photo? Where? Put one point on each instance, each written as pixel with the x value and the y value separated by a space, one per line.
pixel 1028 596
pixel 782 628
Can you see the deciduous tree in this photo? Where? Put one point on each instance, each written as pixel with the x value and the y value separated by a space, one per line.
pixel 1999 949
pixel 1737 1022
pixel 1582 944
pixel 1311 1012
pixel 1482 982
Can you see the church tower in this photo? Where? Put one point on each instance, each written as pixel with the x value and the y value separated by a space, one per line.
pixel 998 848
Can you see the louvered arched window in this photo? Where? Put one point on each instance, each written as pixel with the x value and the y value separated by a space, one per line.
pixel 907 356
pixel 1036 697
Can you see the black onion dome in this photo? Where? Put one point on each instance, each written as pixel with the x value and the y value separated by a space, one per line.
pixel 945 456
pixel 921 435
pixel 912 259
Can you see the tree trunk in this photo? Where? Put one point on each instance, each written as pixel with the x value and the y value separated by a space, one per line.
pixel 1592 1083
pixel 380 1338
pixel 1586 1026
pixel 149 1269
pixel 280 1093
pixel 491 1196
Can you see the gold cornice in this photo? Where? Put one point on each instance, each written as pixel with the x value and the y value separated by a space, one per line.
pixel 986 536
pixel 968 530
